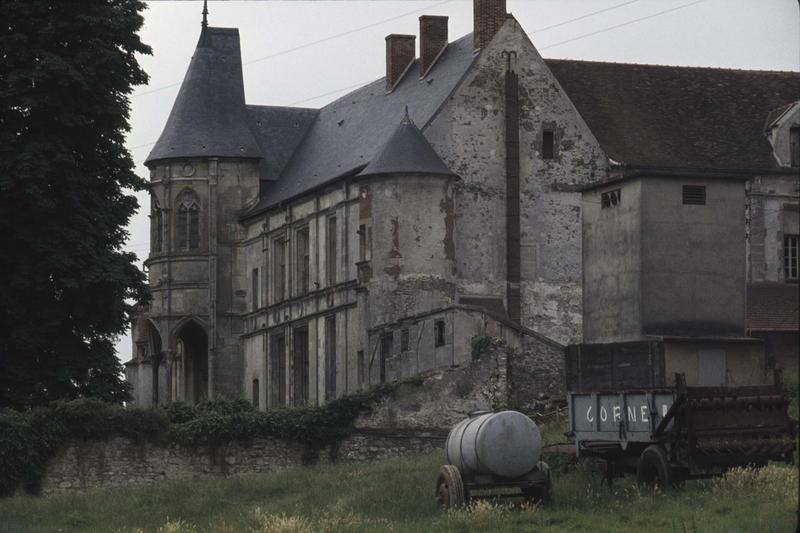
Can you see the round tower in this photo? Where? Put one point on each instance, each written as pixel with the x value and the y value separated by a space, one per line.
pixel 407 217
pixel 204 169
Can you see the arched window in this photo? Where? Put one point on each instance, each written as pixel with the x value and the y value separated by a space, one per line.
pixel 188 225
pixel 157 223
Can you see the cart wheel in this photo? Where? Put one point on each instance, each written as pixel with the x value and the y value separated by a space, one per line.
pixel 449 488
pixel 654 469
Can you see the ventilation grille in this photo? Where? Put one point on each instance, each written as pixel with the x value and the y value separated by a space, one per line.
pixel 694 194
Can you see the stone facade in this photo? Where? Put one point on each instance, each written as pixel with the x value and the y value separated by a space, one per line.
pixel 367 278
pixel 301 254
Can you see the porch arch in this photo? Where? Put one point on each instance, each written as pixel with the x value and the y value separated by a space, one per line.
pixel 190 367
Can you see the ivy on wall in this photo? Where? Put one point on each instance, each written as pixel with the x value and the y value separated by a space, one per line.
pixel 29 439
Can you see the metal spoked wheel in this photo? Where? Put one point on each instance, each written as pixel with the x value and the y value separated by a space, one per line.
pixel 449 488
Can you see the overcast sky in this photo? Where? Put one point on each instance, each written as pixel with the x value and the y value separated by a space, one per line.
pixel 310 53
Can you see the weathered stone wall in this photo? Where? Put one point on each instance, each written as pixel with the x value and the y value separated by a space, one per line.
pixel 468 133
pixel 121 462
pixel 612 264
pixel 536 374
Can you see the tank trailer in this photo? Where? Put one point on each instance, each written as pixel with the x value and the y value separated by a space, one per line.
pixel 490 451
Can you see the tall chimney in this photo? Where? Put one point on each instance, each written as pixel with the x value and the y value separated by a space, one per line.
pixel 400 52
pixel 432 40
pixel 488 17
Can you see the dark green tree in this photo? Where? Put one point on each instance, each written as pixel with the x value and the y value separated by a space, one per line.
pixel 67 69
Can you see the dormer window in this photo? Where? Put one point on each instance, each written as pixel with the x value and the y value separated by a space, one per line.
pixel 794 146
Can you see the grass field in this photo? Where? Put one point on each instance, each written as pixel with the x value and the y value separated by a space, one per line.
pixel 397 495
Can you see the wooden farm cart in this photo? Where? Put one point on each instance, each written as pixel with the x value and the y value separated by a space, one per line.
pixel 669 435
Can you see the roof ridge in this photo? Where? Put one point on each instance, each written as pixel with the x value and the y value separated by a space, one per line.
pixel 287 107
pixel 383 78
pixel 665 66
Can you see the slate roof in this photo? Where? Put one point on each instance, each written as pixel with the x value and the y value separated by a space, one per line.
pixel 278 131
pixel 208 117
pixel 688 117
pixel 773 307
pixel 406 151
pixel 350 131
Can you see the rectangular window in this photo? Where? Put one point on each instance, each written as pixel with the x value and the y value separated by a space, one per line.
pixel 279 268
pixel 694 195
pixel 790 257
pixel 303 261
pixel 256 297
pixel 330 358
pixel 794 146
pixel 255 394
pixel 404 340
pixel 182 227
pixel 438 329
pixel 548 144
pixel 277 370
pixel 300 365
pixel 610 198
pixel 387 340
pixel 158 222
pixel 194 227
pixel 332 250
pixel 362 242
pixel 361 367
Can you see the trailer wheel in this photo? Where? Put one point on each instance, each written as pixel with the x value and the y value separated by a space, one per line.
pixel 544 494
pixel 449 488
pixel 654 469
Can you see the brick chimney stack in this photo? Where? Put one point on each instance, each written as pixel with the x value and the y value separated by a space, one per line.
pixel 400 53
pixel 432 40
pixel 488 17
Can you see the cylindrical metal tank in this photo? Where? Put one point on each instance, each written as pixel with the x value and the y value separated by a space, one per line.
pixel 506 444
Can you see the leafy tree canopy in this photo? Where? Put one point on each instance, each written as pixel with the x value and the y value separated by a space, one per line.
pixel 67 69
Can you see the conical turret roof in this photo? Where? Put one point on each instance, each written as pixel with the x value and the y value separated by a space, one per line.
pixel 406 152
pixel 208 117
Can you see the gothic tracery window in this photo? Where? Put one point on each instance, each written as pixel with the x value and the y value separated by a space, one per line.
pixel 188 224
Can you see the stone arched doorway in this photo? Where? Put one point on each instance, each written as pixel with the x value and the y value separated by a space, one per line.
pixel 190 371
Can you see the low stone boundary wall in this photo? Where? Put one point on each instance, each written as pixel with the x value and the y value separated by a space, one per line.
pixel 122 462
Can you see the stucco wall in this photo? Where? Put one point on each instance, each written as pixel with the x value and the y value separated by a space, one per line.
pixel 612 265
pixel 693 259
